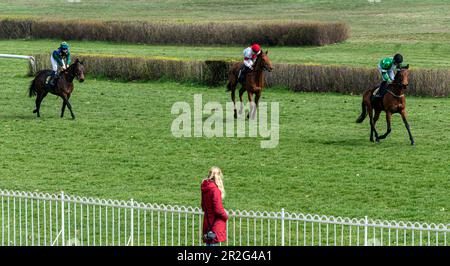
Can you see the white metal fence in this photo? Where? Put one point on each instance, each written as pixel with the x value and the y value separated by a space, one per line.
pixel 34 218
pixel 31 60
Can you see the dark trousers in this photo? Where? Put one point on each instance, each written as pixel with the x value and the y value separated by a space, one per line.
pixel 243 72
pixel 383 89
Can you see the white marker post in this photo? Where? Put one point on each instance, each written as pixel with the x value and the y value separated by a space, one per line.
pixel 30 59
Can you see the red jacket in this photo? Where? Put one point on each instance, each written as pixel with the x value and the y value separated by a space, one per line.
pixel 215 214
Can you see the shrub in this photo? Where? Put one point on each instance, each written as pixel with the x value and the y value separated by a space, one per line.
pixel 352 80
pixel 290 33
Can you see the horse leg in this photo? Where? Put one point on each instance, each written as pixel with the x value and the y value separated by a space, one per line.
pixel 403 114
pixel 233 98
pixel 66 102
pixel 231 86
pixel 39 98
pixel 257 97
pixel 375 119
pixel 372 125
pixel 241 92
pixel 388 123
pixel 250 100
pixel 64 106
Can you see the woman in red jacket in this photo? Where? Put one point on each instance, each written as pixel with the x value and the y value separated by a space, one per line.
pixel 215 217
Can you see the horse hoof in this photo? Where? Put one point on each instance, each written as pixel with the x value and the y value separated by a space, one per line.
pixel 34 111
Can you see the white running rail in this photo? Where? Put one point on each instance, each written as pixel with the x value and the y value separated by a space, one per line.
pixel 30 59
pixel 35 218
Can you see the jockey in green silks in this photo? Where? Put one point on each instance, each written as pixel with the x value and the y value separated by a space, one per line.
pixel 387 68
pixel 60 59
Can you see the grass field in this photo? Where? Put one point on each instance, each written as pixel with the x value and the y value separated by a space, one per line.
pixel 396 19
pixel 421 55
pixel 418 29
pixel 121 147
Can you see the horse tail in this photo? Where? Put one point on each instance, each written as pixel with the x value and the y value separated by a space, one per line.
pixel 363 114
pixel 32 90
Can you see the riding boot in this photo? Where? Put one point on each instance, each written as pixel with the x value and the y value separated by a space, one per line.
pixel 53 78
pixel 383 89
pixel 242 73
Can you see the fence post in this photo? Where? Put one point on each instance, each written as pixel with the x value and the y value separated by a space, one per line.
pixel 62 218
pixel 282 227
pixel 366 223
pixel 132 224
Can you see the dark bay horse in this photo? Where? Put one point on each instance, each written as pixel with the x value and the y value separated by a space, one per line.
pixel 393 102
pixel 63 87
pixel 253 84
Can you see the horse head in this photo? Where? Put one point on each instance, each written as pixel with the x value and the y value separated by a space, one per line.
pixel 402 77
pixel 267 64
pixel 78 70
pixel 263 62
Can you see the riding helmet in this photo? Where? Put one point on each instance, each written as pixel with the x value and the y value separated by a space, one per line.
pixel 256 48
pixel 398 58
pixel 64 45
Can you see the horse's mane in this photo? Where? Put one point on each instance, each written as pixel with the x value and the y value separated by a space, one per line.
pixel 259 59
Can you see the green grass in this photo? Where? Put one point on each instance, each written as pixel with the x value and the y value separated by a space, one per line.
pixel 121 147
pixel 419 55
pixel 404 17
pixel 416 28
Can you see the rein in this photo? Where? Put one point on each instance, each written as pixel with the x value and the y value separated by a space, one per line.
pixel 395 95
pixel 69 71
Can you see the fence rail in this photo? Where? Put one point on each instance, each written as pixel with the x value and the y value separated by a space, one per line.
pixel 31 60
pixel 35 218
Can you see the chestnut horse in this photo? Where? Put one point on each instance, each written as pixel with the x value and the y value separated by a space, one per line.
pixel 253 84
pixel 63 87
pixel 392 102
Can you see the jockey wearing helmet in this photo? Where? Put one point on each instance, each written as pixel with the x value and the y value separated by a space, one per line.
pixel 60 58
pixel 387 66
pixel 250 55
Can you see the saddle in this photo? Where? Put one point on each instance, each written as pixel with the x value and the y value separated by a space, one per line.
pixel 375 92
pixel 50 85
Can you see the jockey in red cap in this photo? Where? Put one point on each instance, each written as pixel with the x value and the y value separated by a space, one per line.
pixel 250 54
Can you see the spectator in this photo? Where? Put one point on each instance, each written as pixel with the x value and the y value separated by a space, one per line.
pixel 215 218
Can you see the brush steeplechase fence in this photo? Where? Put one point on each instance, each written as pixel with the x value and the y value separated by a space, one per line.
pixel 224 33
pixel 311 78
pixel 42 219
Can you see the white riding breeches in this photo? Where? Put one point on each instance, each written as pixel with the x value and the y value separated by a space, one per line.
pixel 249 63
pixel 55 65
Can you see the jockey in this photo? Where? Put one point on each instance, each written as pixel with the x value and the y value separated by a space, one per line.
pixel 60 58
pixel 250 54
pixel 387 66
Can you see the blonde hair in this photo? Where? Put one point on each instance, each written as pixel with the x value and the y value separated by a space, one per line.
pixel 215 174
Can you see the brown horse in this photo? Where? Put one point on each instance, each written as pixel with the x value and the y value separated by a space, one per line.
pixel 393 102
pixel 63 87
pixel 253 84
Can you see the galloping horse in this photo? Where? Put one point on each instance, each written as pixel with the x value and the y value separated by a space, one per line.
pixel 63 87
pixel 392 102
pixel 253 84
